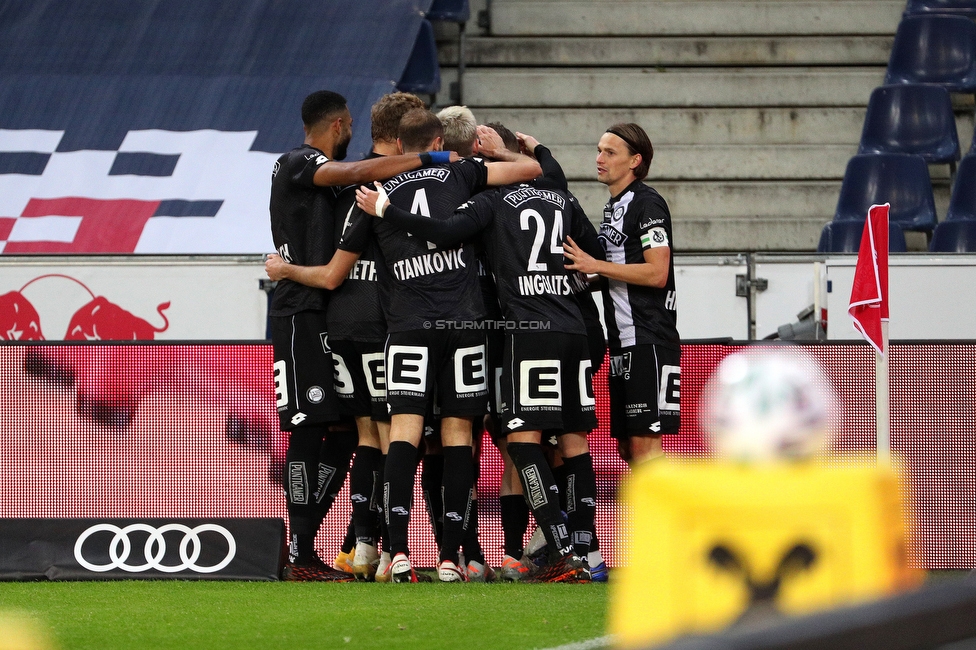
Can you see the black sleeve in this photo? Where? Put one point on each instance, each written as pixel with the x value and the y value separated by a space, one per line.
pixel 444 233
pixel 551 170
pixel 583 232
pixel 357 232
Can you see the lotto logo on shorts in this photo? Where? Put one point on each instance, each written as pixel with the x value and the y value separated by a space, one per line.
pixel 469 370
pixel 540 383
pixel 669 396
pixel 407 368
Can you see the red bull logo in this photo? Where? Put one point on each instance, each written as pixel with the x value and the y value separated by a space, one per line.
pixel 18 318
pixel 101 320
pixel 98 320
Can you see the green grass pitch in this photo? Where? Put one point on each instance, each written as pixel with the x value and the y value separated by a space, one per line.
pixel 183 614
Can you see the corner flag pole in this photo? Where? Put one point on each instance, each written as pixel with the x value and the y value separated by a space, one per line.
pixel 882 404
pixel 869 312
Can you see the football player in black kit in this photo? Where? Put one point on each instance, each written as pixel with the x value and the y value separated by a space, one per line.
pixel 357 332
pixel 303 192
pixel 430 290
pixel 639 296
pixel 546 368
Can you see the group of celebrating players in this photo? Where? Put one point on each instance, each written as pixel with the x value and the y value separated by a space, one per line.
pixel 454 297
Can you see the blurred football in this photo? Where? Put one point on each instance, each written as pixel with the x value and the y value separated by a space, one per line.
pixel 764 404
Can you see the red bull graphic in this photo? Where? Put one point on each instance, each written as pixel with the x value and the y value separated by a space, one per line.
pixel 18 318
pixel 98 320
pixel 101 320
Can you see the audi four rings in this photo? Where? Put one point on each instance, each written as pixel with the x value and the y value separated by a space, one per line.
pixel 155 548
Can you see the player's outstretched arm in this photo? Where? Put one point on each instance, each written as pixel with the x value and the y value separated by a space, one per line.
pixel 373 169
pixel 652 272
pixel 329 276
pixel 444 233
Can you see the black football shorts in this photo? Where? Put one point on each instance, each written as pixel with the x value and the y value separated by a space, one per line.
pixel 449 364
pixel 645 390
pixel 303 370
pixel 546 384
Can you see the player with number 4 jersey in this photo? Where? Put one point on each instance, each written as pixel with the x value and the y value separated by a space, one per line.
pixel 546 370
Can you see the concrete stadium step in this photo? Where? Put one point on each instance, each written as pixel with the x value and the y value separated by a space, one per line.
pixel 803 125
pixel 670 87
pixel 670 51
pixel 724 162
pixel 755 215
pixel 693 17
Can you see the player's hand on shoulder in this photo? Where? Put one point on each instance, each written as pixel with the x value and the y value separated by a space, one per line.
pixel 372 202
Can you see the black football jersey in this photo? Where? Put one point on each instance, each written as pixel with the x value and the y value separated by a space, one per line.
pixel 426 283
pixel 524 228
pixel 634 221
pixel 302 226
pixel 355 311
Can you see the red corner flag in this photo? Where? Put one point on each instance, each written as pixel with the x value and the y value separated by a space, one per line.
pixel 869 295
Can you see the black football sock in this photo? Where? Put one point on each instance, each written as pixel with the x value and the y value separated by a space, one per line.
pixel 362 492
pixel 542 494
pixel 456 495
pixel 333 466
pixel 472 547
pixel 398 493
pixel 301 468
pixel 515 521
pixel 431 480
pixel 580 501
pixel 384 537
pixel 349 541
pixel 559 473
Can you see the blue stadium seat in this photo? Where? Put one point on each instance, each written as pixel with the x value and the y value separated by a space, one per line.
pixel 957 236
pixel 452 11
pixel 962 204
pixel 936 49
pixel 422 75
pixel 896 178
pixel 845 237
pixel 911 118
pixel 960 7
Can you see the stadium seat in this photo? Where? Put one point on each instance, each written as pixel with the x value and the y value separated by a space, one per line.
pixel 936 49
pixel 422 75
pixel 845 237
pixel 453 11
pixel 957 236
pixel 913 119
pixel 962 204
pixel 960 7
pixel 896 178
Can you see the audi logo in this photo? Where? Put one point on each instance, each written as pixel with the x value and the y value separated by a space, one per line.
pixel 155 548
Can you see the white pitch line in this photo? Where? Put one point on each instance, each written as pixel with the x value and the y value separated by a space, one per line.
pixel 589 644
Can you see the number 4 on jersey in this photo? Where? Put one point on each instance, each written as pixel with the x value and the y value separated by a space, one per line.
pixel 420 207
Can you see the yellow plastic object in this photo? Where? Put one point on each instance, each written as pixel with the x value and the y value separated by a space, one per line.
pixel 711 545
